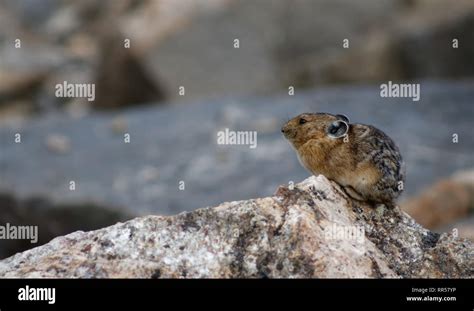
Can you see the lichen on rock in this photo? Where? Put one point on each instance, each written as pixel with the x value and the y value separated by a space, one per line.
pixel 311 230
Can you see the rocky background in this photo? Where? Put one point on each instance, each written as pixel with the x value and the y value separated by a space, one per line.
pixel 190 43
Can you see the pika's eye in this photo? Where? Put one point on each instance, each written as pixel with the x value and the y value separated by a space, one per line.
pixel 302 121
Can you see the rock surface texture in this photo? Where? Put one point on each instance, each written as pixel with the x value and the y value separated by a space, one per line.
pixel 310 230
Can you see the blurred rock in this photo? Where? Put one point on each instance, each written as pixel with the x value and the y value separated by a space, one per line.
pixel 70 41
pixel 119 125
pixel 444 203
pixel 58 143
pixel 463 228
pixel 30 12
pixel 377 60
pixel 23 73
pixel 15 85
pixel 191 43
pixel 121 80
pixel 301 44
pixel 52 219
pixel 281 44
pixel 429 52
pixel 293 234
pixel 173 145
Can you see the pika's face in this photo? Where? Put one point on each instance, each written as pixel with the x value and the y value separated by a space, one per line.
pixel 322 127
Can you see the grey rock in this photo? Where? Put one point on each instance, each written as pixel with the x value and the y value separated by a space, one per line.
pixel 446 202
pixel 179 143
pixel 51 219
pixel 190 44
pixel 438 58
pixel 294 234
pixel 281 44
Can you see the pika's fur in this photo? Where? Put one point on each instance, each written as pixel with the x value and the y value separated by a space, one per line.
pixel 360 158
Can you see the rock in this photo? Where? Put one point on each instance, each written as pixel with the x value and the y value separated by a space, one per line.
pixel 121 80
pixel 463 227
pixel 301 44
pixel 14 85
pixel 69 41
pixel 439 59
pixel 23 73
pixel 443 203
pixel 311 230
pixel 58 143
pixel 280 44
pixel 191 44
pixel 52 219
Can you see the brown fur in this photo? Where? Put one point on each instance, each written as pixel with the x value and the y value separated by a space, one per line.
pixel 366 162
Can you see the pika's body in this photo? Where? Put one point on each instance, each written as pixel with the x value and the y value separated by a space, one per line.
pixel 361 158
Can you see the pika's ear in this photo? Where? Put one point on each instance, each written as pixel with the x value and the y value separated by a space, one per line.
pixel 343 117
pixel 338 129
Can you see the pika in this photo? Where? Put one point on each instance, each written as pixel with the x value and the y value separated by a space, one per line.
pixel 360 158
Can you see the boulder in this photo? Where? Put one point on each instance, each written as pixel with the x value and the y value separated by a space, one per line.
pixel 51 219
pixel 309 230
pixel 445 202
pixel 191 43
